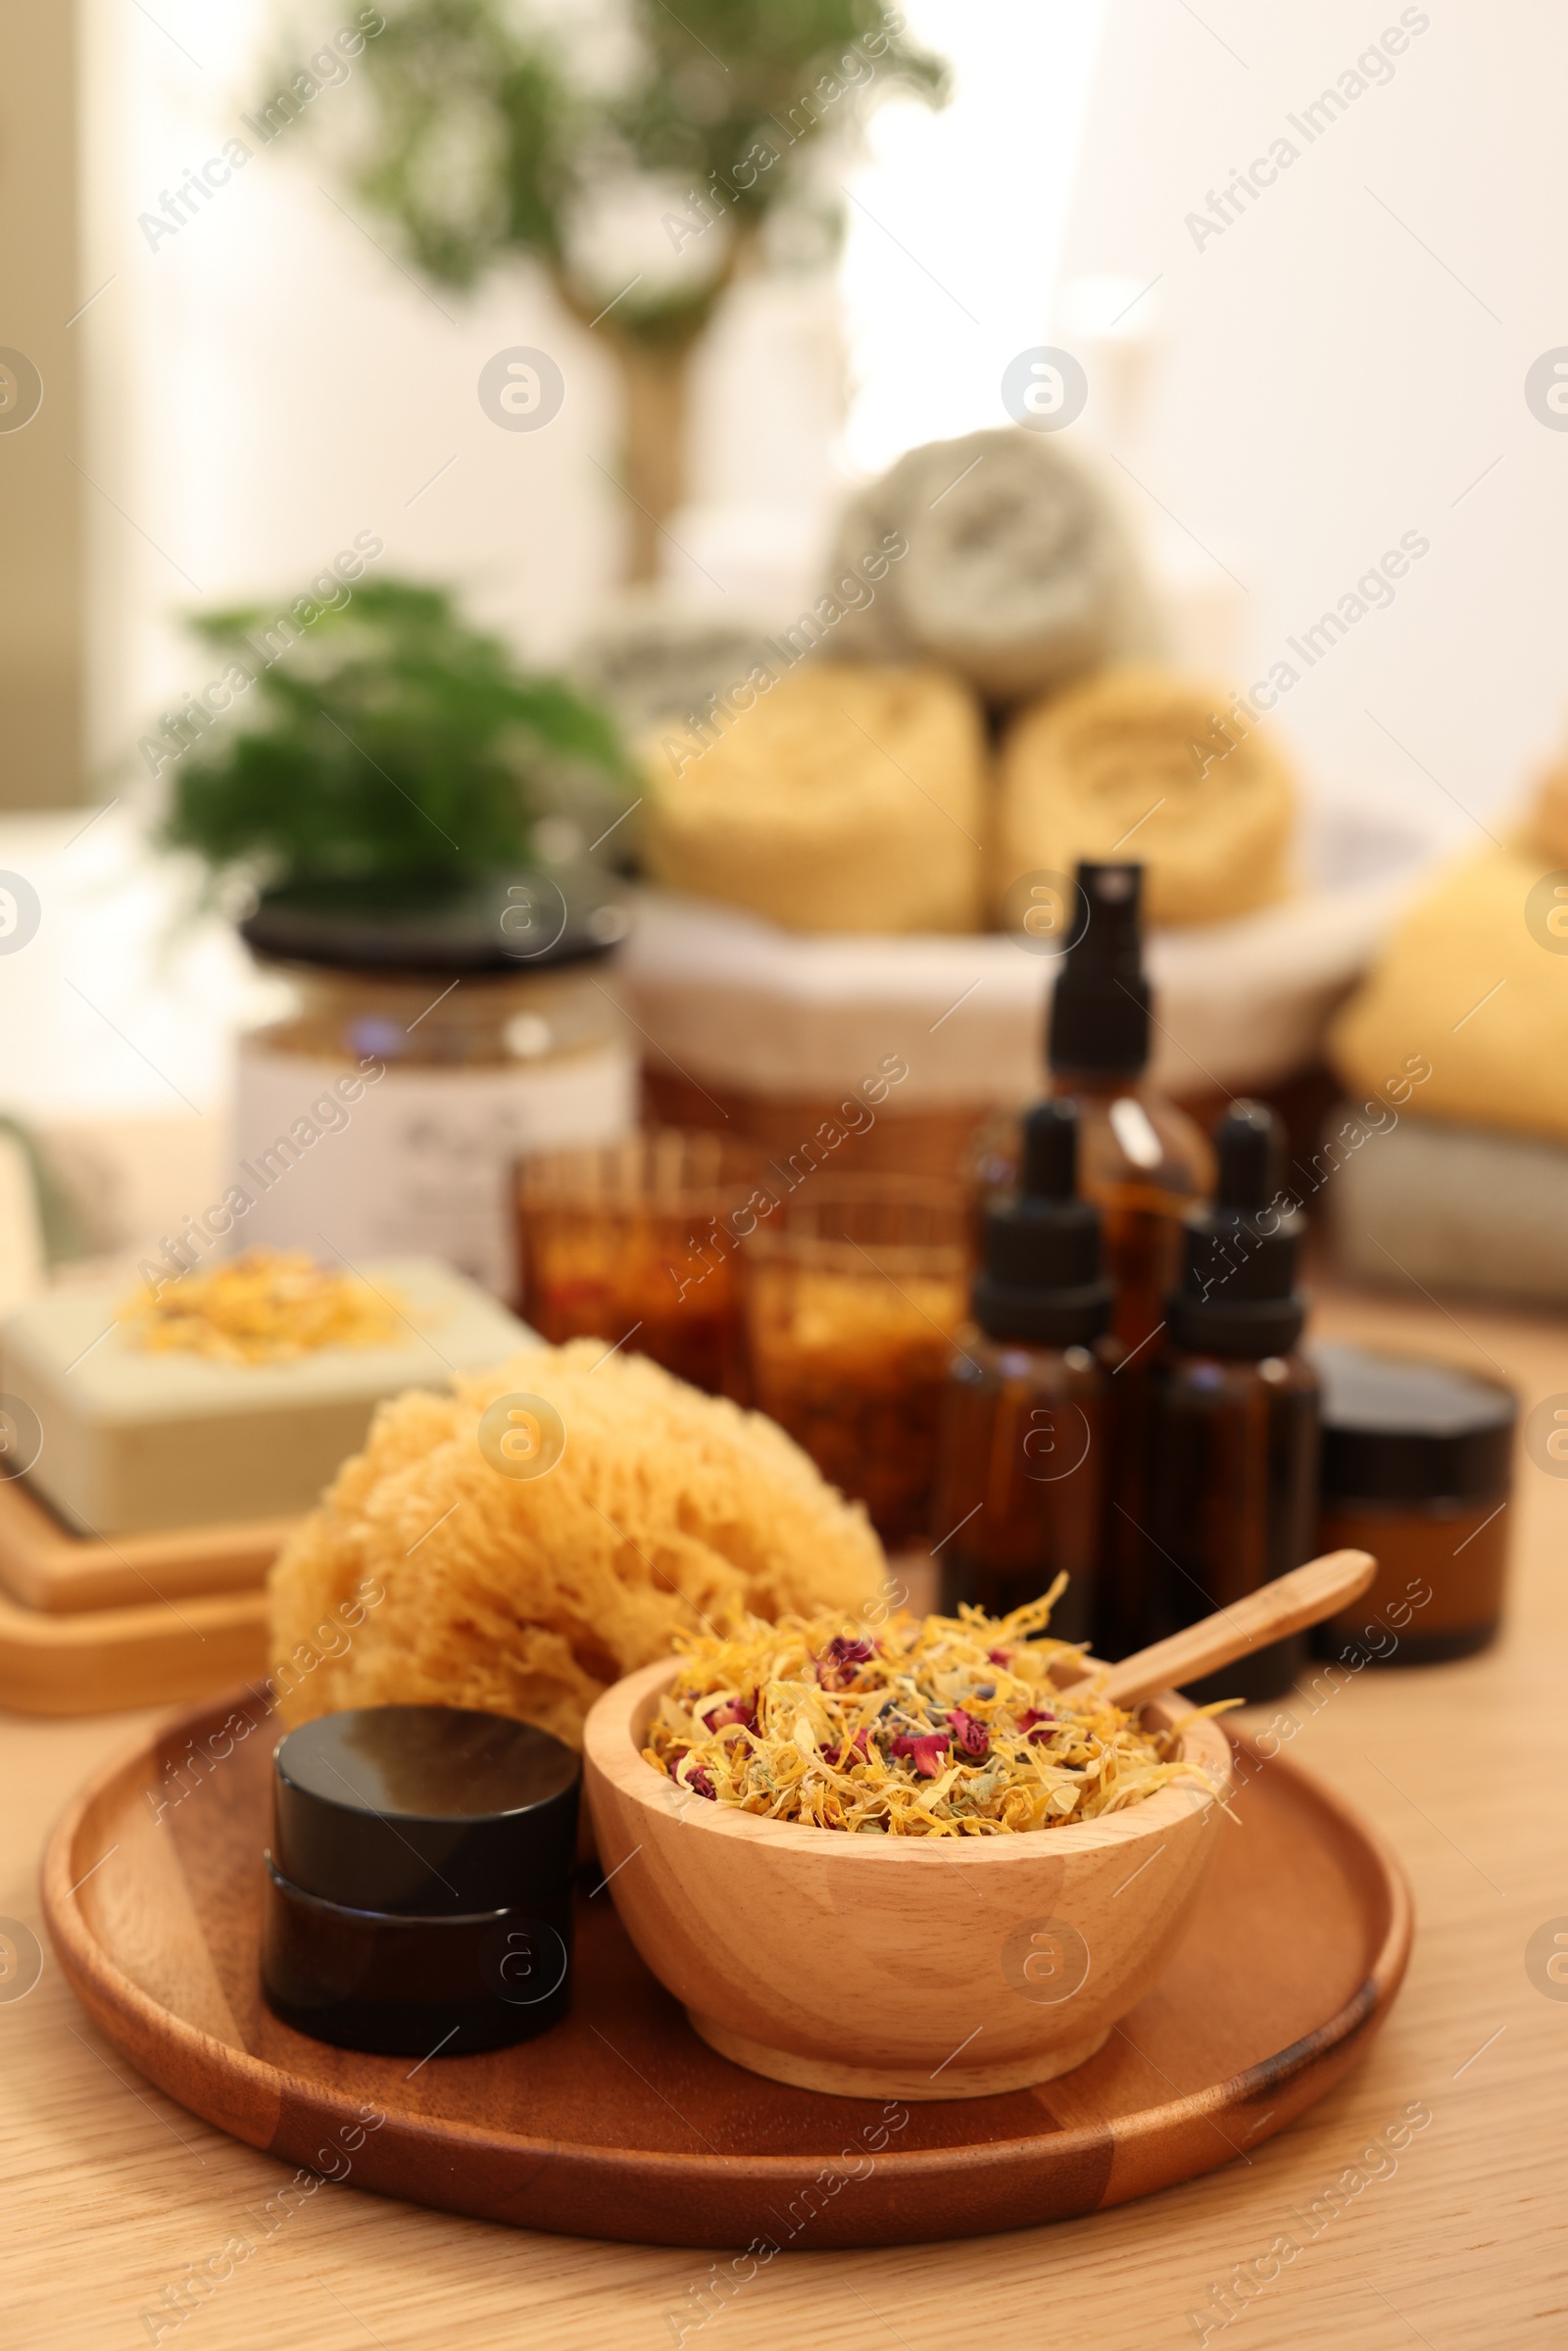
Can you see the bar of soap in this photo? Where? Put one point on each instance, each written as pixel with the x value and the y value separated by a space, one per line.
pixel 135 1441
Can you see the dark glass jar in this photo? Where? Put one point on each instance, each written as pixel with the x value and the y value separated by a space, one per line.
pixel 417 1897
pixel 1417 1469
pixel 1232 1501
pixel 1022 1477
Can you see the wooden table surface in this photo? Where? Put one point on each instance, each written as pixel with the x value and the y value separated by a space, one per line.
pixel 109 2191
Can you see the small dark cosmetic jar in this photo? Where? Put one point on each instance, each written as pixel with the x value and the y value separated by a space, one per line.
pixel 1417 1469
pixel 418 1886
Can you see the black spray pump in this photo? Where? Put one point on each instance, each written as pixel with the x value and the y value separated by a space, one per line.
pixel 1042 1282
pixel 1237 1294
pixel 1100 1009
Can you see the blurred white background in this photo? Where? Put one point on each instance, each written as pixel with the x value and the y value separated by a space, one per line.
pixel 1276 403
pixel 1345 362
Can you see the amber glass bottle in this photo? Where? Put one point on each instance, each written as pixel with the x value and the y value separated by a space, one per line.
pixel 1142 1161
pixel 1229 1491
pixel 1027 1431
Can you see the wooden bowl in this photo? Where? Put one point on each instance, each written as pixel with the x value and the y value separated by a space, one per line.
pixel 895 1967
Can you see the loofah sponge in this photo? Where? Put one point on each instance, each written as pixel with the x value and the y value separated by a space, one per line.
pixel 528 1596
pixel 844 799
pixel 1146 763
pixel 1018 573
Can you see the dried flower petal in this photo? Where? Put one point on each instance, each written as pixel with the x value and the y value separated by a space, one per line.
pixel 928 1752
pixel 842 1659
pixel 731 1712
pixel 910 1746
pixel 972 1736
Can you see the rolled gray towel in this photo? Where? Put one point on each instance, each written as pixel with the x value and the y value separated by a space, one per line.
pixel 653 659
pixel 1020 574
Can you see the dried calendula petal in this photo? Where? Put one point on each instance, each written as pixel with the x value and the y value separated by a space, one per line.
pixel 928 1727
pixel 267 1306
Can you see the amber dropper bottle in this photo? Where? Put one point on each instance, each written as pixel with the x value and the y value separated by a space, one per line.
pixel 1232 1441
pixel 1025 1441
pixel 1143 1161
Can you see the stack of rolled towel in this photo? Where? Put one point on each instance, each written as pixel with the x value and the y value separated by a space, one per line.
pixel 974 697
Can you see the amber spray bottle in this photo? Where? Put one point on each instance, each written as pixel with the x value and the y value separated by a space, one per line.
pixel 1230 1495
pixel 1026 1434
pixel 1142 1160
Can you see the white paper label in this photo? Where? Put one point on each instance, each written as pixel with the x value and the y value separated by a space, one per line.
pixel 422 1163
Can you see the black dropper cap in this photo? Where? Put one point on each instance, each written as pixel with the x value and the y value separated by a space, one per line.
pixel 1100 1010
pixel 1042 1281
pixel 1237 1295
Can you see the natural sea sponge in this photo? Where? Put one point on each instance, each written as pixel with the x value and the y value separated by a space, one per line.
pixel 1018 573
pixel 845 798
pixel 1474 984
pixel 1146 763
pixel 668 1510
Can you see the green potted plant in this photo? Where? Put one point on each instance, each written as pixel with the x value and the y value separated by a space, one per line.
pixel 381 774
pixel 639 165
pixel 373 740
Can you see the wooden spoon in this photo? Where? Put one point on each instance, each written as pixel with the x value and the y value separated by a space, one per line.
pixel 1304 1597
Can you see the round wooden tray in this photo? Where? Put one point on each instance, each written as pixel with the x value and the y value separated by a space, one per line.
pixel 620 2123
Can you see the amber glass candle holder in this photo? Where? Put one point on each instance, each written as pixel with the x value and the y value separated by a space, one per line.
pixel 635 1243
pixel 855 1288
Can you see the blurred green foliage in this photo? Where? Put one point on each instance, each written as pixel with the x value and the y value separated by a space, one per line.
pixel 492 133
pixel 390 739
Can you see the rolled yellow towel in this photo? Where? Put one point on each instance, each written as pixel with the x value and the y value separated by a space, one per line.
pixel 431 1576
pixel 1474 983
pixel 833 797
pixel 1145 763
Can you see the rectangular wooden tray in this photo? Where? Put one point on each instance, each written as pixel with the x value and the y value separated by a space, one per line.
pixel 148 1620
pixel 98 1660
pixel 45 1565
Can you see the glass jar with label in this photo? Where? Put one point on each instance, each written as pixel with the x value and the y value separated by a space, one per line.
pixel 432 1033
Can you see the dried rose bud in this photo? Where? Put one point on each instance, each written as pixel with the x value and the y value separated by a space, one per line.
pixel 698 1780
pixel 842 1659
pixel 732 1711
pixel 998 1657
pixel 972 1736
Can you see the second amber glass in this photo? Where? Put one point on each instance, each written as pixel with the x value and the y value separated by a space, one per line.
pixel 855 1287
pixel 635 1243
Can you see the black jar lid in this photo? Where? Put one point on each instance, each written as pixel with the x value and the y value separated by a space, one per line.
pixel 430 1811
pixel 1397 1431
pixel 441 923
